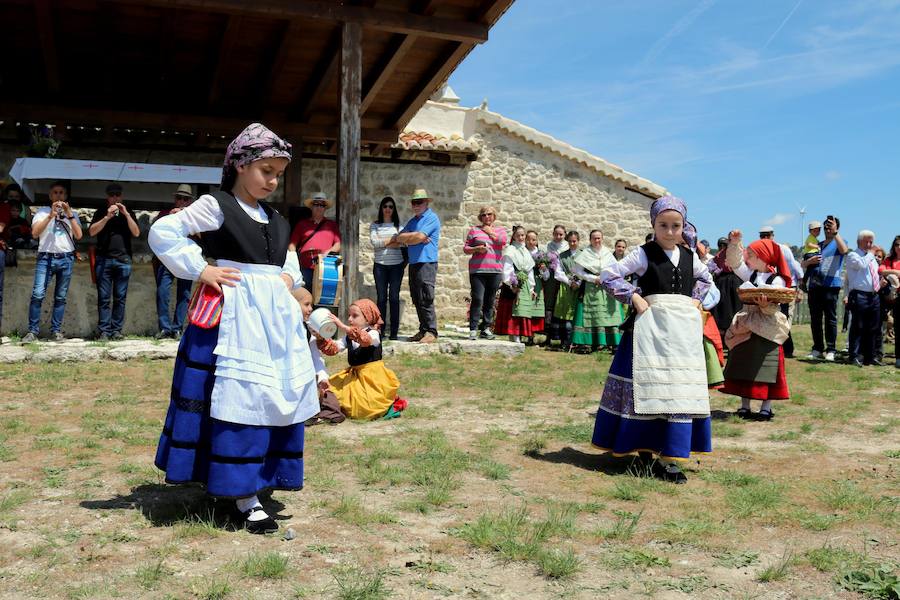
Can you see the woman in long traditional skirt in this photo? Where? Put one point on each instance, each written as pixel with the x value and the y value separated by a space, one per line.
pixel 598 315
pixel 244 380
pixel 518 294
pixel 656 401
pixel 567 295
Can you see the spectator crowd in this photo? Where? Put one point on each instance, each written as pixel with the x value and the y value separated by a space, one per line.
pixel 537 293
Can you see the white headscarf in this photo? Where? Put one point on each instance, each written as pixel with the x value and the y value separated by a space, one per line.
pixel 520 256
pixel 594 261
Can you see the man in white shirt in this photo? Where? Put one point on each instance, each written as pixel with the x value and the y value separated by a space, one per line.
pixel 863 300
pixel 56 227
pixel 766 232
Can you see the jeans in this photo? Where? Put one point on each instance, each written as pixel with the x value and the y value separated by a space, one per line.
pixel 46 266
pixel 484 291
pixel 422 278
pixel 164 280
pixel 865 325
pixel 112 284
pixel 307 278
pixel 823 303
pixel 387 285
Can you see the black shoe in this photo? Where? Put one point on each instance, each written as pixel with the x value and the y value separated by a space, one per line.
pixel 161 335
pixel 267 525
pixel 416 338
pixel 176 335
pixel 876 362
pixel 103 337
pixel 744 413
pixel 765 415
pixel 117 336
pixel 661 472
pixel 857 363
pixel 394 338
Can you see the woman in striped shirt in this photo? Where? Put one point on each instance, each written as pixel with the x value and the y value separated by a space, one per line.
pixel 484 245
pixel 389 261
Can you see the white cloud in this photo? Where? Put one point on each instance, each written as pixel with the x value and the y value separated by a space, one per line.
pixel 779 219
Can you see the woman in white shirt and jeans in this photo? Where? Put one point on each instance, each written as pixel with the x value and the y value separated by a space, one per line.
pixel 389 261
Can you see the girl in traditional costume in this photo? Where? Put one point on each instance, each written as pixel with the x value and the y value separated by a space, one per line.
pixel 518 295
pixel 555 247
pixel 541 277
pixel 755 369
pixel 597 315
pixel 656 401
pixel 567 296
pixel 367 389
pixel 244 379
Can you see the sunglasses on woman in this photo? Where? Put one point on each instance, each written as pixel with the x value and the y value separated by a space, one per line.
pixel 390 206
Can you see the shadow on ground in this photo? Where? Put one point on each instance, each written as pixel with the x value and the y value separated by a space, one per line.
pixel 165 505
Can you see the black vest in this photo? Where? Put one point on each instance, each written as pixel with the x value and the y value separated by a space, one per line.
pixel 363 354
pixel 241 239
pixel 662 277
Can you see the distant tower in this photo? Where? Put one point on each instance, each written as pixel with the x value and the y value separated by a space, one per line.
pixel 445 95
pixel 484 104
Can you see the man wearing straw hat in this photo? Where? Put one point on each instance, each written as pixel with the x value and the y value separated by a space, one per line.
pixel 171 327
pixel 421 235
pixel 315 237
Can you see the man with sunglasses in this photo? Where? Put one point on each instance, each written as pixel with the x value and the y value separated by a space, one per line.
pixel 114 228
pixel 421 235
pixel 315 237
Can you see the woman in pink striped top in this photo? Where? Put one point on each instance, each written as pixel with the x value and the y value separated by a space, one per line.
pixel 484 245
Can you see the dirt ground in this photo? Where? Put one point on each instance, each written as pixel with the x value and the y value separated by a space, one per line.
pixel 487 487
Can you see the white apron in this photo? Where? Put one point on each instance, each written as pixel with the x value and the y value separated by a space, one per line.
pixel 669 363
pixel 264 370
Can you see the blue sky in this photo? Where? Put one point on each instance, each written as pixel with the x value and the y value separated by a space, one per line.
pixel 747 110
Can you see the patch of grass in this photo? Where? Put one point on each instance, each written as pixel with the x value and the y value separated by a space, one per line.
pixel 212 588
pixel 54 477
pixel 493 470
pixel 198 526
pixel 881 582
pixel 558 564
pixel 727 430
pixel 350 510
pixel 149 576
pixel 574 433
pixel 266 565
pixel 777 570
pixel 354 583
pixel 12 500
pixel 828 558
pixel 689 584
pixel 635 558
pixel 892 453
pixel 729 478
pixel 626 489
pixel 624 526
pixel 847 495
pixel 736 559
pixel 759 500
pixel 689 528
pixel 886 426
pixel 784 436
pixel 533 444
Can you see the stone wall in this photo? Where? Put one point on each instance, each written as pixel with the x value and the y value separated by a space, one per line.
pixel 526 183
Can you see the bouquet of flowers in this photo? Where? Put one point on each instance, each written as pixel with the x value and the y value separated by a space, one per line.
pixel 547 260
pixel 44 142
pixel 521 279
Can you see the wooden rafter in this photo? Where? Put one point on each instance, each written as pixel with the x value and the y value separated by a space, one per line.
pixel 385 20
pixel 288 33
pixel 170 122
pixel 323 75
pixel 223 63
pixel 44 25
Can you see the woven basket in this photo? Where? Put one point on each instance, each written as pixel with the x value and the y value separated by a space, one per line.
pixel 774 295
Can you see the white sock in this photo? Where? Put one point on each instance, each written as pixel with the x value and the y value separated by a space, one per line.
pixel 514 338
pixel 766 405
pixel 245 504
pixel 745 403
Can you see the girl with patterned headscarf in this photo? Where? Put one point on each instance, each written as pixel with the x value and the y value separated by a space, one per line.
pixel 244 380
pixel 755 339
pixel 367 389
pixel 655 401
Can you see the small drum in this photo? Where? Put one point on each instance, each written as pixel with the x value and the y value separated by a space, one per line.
pixel 320 322
pixel 327 278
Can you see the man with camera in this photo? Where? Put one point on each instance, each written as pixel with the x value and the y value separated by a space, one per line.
pixel 56 227
pixel 114 229
pixel 824 287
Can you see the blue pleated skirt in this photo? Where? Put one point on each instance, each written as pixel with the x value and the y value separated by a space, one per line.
pixel 620 430
pixel 232 460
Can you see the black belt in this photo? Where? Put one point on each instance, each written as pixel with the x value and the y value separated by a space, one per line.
pixel 56 254
pixel 862 292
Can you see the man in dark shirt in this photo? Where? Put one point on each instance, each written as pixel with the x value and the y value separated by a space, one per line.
pixel 114 228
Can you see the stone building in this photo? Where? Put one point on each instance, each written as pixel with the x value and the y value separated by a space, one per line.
pixel 464 157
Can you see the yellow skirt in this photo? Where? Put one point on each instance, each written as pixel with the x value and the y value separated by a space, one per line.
pixel 366 391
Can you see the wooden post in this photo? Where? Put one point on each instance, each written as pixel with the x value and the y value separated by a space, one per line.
pixel 350 90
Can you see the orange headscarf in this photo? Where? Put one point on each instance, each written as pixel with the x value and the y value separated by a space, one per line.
pixel 770 253
pixel 370 311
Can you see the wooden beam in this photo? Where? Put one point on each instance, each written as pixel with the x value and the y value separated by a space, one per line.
pixel 293 179
pixel 322 76
pixel 290 31
pixel 223 62
pixel 44 25
pixel 436 75
pixel 385 20
pixel 181 122
pixel 165 48
pixel 385 66
pixel 347 195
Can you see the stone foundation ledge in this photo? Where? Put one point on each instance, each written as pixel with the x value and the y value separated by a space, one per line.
pixel 80 350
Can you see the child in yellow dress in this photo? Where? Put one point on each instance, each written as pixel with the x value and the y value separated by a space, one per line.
pixel 367 388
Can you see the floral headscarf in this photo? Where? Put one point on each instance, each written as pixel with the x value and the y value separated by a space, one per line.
pixel 669 202
pixel 253 143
